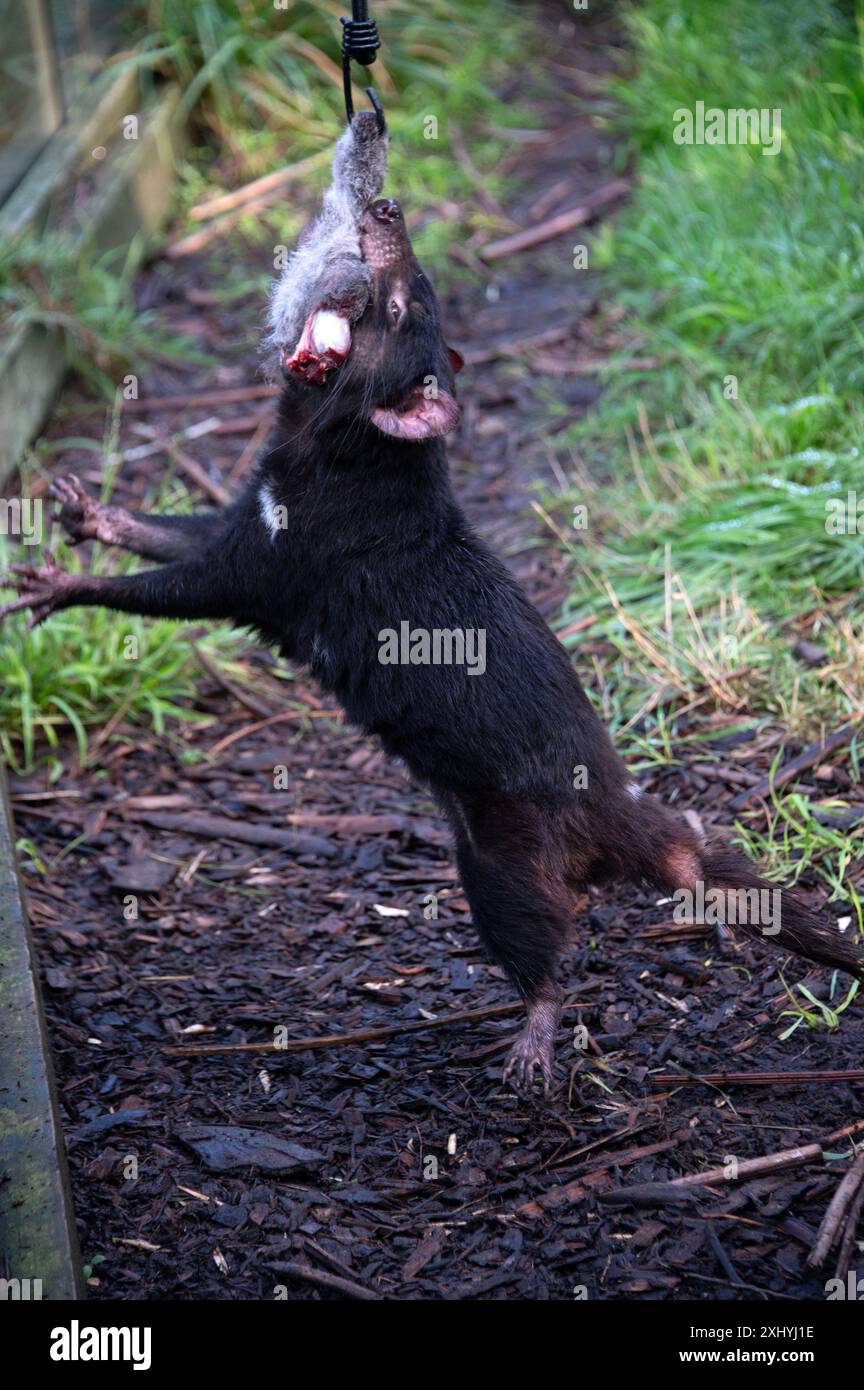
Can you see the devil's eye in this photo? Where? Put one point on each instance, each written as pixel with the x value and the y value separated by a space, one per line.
pixel 395 310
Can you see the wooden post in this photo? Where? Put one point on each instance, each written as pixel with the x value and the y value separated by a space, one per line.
pixel 39 1255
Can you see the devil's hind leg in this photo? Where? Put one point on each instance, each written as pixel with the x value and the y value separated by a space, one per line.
pixel 523 919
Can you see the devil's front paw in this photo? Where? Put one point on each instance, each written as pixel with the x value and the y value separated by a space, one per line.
pixel 79 514
pixel 83 518
pixel 43 590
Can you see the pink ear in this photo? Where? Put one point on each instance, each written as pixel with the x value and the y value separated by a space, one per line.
pixel 422 419
pixel 457 361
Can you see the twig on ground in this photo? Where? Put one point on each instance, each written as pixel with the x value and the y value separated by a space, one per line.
pixel 203 826
pixel 193 470
pixel 363 1035
pixel 814 754
pixel 838 1211
pixel 754 1078
pixel 245 697
pixel 285 717
pixel 233 396
pixel 295 1269
pixel 268 183
pixel 556 226
pixel 739 1172
pixel 158 443
pixel 241 467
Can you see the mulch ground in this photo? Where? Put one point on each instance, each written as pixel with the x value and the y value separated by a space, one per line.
pixel 323 900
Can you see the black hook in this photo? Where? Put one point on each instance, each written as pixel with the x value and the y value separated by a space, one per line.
pixel 360 41
pixel 375 103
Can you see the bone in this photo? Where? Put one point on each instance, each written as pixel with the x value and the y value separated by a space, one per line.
pixel 330 332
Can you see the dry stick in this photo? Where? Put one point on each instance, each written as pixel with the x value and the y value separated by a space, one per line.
pixel 184 462
pixel 283 718
pixel 233 396
pixel 196 474
pixel 542 206
pixel 556 226
pixel 296 1270
pixel 157 444
pixel 844 1257
pixel 767 1163
pixel 837 1211
pixel 589 366
pixel 244 697
pixel 588 621
pixel 196 241
pixel 248 455
pixel 227 202
pixel 364 1034
pixel 805 760
pixel 755 1078
pixel 512 347
pixel 643 1193
pixel 242 424
pixel 208 827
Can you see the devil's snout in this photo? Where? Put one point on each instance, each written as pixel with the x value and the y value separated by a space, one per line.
pixel 384 241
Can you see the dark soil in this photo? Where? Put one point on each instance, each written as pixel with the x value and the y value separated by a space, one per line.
pixel 402 1167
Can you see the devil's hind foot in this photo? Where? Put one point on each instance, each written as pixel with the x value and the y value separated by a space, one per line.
pixel 534 1048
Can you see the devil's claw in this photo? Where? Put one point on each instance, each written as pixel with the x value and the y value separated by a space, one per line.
pixel 43 589
pixel 85 519
pixel 525 1056
pixel 79 514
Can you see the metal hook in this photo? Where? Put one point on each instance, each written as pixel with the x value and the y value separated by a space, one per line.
pixel 360 41
pixel 375 103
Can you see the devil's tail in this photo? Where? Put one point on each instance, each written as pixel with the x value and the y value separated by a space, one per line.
pixel 673 857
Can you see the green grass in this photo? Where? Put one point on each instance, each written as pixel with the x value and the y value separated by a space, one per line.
pixel 706 554
pixel 257 78
pixel 75 670
pixel 731 265
pixel 46 280
pixel 819 1014
pixel 89 670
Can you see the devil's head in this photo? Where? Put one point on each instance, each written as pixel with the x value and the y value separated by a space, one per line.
pixel 391 369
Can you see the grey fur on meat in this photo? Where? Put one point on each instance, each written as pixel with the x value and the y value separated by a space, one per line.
pixel 326 269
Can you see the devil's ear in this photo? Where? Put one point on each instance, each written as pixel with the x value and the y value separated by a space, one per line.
pixel 457 361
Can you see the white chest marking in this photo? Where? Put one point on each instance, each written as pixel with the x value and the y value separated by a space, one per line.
pixel 270 513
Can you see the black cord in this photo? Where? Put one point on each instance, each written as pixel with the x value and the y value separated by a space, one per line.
pixel 360 41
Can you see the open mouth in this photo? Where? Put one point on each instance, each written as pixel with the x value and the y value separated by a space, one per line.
pixel 418 415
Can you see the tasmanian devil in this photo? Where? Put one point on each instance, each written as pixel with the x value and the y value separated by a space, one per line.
pixel 348 530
